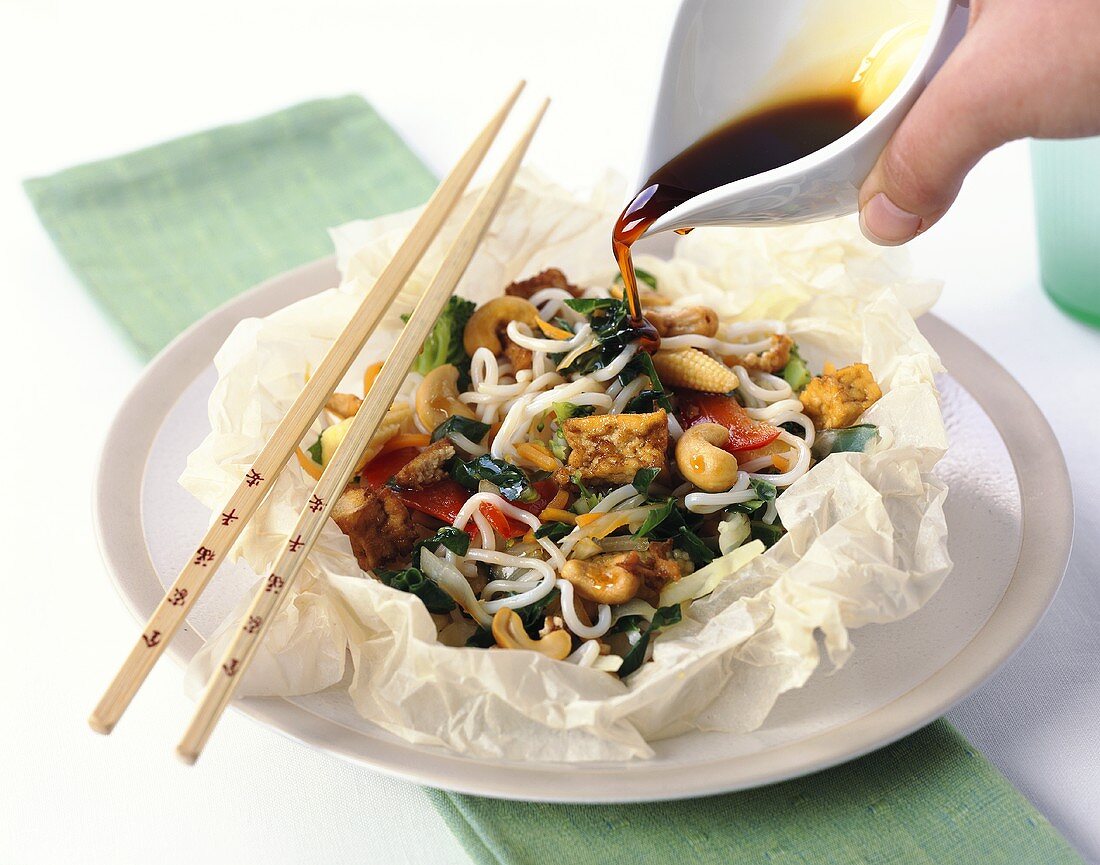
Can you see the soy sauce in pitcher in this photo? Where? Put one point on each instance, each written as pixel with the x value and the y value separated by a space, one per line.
pixel 750 145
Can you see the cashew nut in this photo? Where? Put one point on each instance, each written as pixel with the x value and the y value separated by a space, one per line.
pixel 437 397
pixel 509 633
pixel 601 580
pixel 702 461
pixel 489 320
pixel 673 321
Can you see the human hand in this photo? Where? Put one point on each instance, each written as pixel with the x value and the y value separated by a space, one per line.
pixel 1024 68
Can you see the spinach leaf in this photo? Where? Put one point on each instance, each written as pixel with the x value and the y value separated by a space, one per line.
pixel 667 522
pixel 642 364
pixel 639 632
pixel 766 533
pixel 796 373
pixel 765 490
pixel 853 439
pixel 588 305
pixel 533 617
pixel 455 540
pixel 643 478
pixel 413 581
pixel 645 402
pixel 511 480
pixel 554 531
pixel 474 430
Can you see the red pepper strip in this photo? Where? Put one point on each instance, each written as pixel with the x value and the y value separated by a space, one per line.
pixel 444 499
pixel 385 466
pixel 745 433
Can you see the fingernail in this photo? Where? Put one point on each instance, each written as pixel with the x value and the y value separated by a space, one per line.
pixel 885 223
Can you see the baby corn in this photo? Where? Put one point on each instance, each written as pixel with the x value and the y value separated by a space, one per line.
pixel 694 369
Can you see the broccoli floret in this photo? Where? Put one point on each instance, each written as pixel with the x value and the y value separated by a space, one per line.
pixel 444 343
pixel 795 372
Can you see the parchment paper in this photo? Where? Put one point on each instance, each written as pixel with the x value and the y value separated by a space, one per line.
pixel 866 540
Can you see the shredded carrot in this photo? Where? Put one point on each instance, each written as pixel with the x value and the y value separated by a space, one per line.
pixel 537 454
pixel 306 461
pixel 585 519
pixel 780 463
pixel 557 515
pixel 560 500
pixel 406 440
pixel 493 430
pixel 369 375
pixel 552 331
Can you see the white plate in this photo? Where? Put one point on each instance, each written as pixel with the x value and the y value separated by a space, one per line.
pixel 1009 514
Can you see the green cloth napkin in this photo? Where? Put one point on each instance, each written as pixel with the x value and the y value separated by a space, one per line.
pixel 929 799
pixel 162 236
pixel 165 234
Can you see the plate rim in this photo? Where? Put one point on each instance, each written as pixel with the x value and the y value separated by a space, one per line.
pixel 1045 541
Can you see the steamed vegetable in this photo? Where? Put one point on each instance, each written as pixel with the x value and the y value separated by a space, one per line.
pixel 853 439
pixel 444 343
pixel 796 373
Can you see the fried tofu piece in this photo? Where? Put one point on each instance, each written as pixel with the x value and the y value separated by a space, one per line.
pixel 610 448
pixel 837 398
pixel 772 360
pixel 615 578
pixel 378 525
pixel 518 356
pixel 427 467
pixel 549 278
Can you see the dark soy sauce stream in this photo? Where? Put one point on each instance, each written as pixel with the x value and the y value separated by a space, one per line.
pixel 751 145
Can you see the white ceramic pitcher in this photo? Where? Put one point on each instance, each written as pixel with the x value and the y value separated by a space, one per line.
pixel 726 57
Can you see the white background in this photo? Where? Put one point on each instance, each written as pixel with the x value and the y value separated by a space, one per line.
pixel 88 80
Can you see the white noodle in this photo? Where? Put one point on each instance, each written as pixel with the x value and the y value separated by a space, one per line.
pixel 572 620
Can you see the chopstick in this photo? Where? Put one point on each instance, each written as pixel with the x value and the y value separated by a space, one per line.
pixel 265 604
pixel 216 543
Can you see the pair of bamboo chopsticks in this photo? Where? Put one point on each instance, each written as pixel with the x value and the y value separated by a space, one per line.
pixel 196 574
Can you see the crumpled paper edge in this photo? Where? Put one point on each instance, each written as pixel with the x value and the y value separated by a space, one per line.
pixel 866 535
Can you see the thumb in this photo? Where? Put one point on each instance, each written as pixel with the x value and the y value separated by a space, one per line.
pixel 950 127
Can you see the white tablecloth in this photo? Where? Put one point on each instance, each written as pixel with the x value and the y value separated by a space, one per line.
pixel 91 80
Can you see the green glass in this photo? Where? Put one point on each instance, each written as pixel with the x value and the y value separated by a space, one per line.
pixel 1066 175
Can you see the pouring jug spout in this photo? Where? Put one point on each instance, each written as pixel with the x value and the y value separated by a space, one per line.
pixel 728 59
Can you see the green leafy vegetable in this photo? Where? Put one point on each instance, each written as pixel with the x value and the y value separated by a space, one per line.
pixel 533 617
pixel 668 522
pixel 554 531
pixel 315 451
pixel 455 540
pixel 766 533
pixel 444 343
pixel 642 276
pixel 643 478
pixel 639 632
pixel 513 483
pixel 796 373
pixel 587 499
pixel 611 323
pixel 588 305
pixel 413 581
pixel 765 490
pixel 642 364
pixel 474 430
pixel 645 402
pixel 853 439
pixel 563 411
